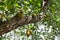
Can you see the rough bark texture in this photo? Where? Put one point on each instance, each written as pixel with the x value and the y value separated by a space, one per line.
pixel 15 23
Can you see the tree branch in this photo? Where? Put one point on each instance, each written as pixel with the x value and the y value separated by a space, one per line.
pixel 14 23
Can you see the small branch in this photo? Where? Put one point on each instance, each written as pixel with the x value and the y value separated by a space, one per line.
pixel 44 5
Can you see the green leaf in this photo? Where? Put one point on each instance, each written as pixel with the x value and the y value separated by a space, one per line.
pixel 39 4
pixel 26 2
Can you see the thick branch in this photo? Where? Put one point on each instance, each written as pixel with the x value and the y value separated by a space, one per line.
pixel 15 23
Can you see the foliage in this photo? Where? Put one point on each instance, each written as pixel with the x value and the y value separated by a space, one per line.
pixel 10 8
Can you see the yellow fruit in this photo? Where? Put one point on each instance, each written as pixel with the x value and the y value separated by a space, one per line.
pixel 34 15
pixel 29 32
pixel 20 14
pixel 46 15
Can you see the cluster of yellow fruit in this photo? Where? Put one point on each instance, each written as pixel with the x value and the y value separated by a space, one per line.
pixel 28 18
pixel 21 15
